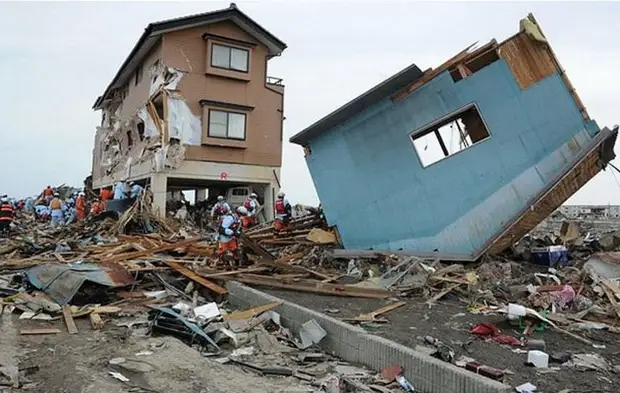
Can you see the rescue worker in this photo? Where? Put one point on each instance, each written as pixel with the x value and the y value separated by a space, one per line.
pixel 42 212
pixel 105 194
pixel 7 213
pixel 283 214
pixel 48 194
pixel 29 204
pixel 120 189
pixel 69 211
pixel 80 207
pixel 135 190
pixel 56 206
pixel 244 216
pixel 96 208
pixel 252 206
pixel 227 237
pixel 219 209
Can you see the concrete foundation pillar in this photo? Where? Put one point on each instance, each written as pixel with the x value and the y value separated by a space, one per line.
pixel 201 195
pixel 271 190
pixel 159 185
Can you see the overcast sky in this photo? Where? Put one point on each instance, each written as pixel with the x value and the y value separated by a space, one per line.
pixel 56 58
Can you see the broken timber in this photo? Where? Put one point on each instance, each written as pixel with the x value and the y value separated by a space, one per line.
pixel 68 317
pixel 314 286
pixel 196 278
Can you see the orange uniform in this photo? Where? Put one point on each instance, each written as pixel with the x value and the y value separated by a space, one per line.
pixel 80 208
pixel 96 208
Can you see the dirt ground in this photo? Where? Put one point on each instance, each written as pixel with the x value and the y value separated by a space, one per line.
pixel 450 322
pixel 63 363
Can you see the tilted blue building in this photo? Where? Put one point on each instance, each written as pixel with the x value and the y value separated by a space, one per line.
pixel 461 160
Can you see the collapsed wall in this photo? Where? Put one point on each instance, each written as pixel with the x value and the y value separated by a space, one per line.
pixel 157 133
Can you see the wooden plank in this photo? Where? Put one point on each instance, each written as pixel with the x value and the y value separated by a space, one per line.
pixel 612 299
pixel 311 286
pixel 529 60
pixel 250 313
pixel 567 81
pixel 106 310
pixel 372 316
pixel 68 317
pixel 429 74
pixel 290 258
pixel 441 294
pixel 150 251
pixel 196 278
pixel 234 272
pixel 95 321
pixel 31 332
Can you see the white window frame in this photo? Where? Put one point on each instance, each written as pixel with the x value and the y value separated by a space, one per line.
pixel 231 50
pixel 228 115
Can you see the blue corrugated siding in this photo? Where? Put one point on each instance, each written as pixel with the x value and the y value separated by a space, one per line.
pixel 373 187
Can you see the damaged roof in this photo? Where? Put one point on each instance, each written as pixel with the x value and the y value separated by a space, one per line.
pixel 357 105
pixel 154 31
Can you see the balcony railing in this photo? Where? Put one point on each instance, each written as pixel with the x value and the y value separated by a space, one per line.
pixel 271 80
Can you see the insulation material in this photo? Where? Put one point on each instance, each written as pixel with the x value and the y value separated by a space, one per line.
pixel 175 156
pixel 159 159
pixel 182 124
pixel 150 129
pixel 532 30
pixel 164 77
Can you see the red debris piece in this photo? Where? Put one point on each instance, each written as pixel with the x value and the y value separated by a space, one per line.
pixel 491 331
pixel 390 372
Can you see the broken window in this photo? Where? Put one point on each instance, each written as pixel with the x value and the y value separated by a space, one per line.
pixel 230 58
pixel 139 74
pixel 449 136
pixel 140 127
pixel 230 125
pixel 129 139
pixel 158 103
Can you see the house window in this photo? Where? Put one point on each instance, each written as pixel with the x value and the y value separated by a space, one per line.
pixel 230 58
pixel 240 192
pixel 229 125
pixel 449 136
pixel 139 73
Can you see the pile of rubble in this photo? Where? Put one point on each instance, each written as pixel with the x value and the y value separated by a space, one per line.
pixel 156 276
pixel 165 275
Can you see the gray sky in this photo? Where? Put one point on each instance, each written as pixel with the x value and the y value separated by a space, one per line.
pixel 56 58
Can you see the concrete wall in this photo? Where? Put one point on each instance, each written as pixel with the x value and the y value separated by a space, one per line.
pixel 187 51
pixel 355 345
pixel 367 170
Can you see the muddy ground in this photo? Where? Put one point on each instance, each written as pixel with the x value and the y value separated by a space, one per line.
pixel 450 322
pixel 63 363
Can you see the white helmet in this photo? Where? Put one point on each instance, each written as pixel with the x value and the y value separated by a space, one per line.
pixel 253 196
pixel 242 210
pixel 4 199
pixel 220 198
pixel 281 195
pixel 82 194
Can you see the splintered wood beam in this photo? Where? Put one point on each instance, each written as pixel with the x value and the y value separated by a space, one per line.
pixel 372 316
pixel 68 317
pixel 138 254
pixel 95 321
pixel 250 313
pixel 196 278
pixel 312 286
pixel 31 332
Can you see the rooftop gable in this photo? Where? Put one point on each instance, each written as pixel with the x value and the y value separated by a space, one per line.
pixel 153 32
